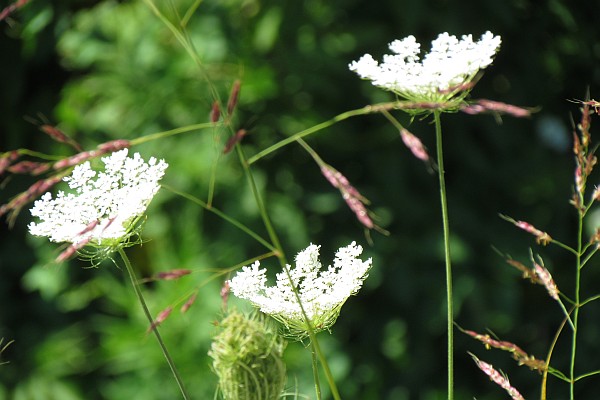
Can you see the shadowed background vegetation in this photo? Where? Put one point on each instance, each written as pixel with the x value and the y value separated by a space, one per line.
pixel 112 70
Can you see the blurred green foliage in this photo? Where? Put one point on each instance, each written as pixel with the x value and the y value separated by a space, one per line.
pixel 111 70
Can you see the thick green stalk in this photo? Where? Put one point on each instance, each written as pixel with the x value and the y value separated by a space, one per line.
pixel 446 229
pixel 140 297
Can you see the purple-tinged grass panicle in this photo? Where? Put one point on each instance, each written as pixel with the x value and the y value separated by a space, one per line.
pixel 517 353
pixel 498 378
pixel 6 159
pixel 528 273
pixel 359 209
pixel 355 201
pixel 215 112
pixel 113 146
pixel 414 144
pixel 591 103
pixel 74 160
pixel 28 167
pixel 462 87
pixel 172 274
pixel 225 290
pixel 33 192
pixel 542 238
pixel 579 181
pixel 234 97
pixel 160 318
pixel 595 238
pixel 233 140
pixel 72 250
pixel 6 11
pixel 190 301
pixel 585 160
pixel 546 278
pixel 596 193
pixel 339 181
pixel 484 105
pixel 101 149
pixel 60 136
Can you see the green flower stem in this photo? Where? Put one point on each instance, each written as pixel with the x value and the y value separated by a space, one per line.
pixel 446 228
pixel 140 297
pixel 328 375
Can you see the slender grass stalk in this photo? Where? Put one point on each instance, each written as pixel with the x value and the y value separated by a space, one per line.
pixel 176 131
pixel 162 345
pixel 446 229
pixel 578 266
pixel 370 109
pixel 222 215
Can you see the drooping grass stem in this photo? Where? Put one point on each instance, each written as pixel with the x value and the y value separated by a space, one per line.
pixel 446 230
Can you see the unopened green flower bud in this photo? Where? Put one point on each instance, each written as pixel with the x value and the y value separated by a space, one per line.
pixel 247 358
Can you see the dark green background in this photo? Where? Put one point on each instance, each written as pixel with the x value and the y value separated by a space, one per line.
pixel 108 70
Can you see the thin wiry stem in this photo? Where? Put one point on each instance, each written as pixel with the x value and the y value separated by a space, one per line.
pixel 446 229
pixel 162 345
pixel 176 131
pixel 370 109
pixel 578 266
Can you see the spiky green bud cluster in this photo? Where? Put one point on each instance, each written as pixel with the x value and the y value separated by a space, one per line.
pixel 247 358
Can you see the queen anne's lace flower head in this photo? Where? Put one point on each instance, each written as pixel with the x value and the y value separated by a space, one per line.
pixel 104 206
pixel 322 292
pixel 443 74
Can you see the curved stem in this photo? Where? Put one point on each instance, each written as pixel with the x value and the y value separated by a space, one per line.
pixel 446 229
pixel 222 215
pixel 140 297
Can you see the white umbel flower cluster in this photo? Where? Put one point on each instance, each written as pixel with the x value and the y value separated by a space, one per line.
pixel 105 204
pixel 322 292
pixel 443 73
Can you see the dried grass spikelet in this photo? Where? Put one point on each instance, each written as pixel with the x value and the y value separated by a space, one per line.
pixel 247 358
